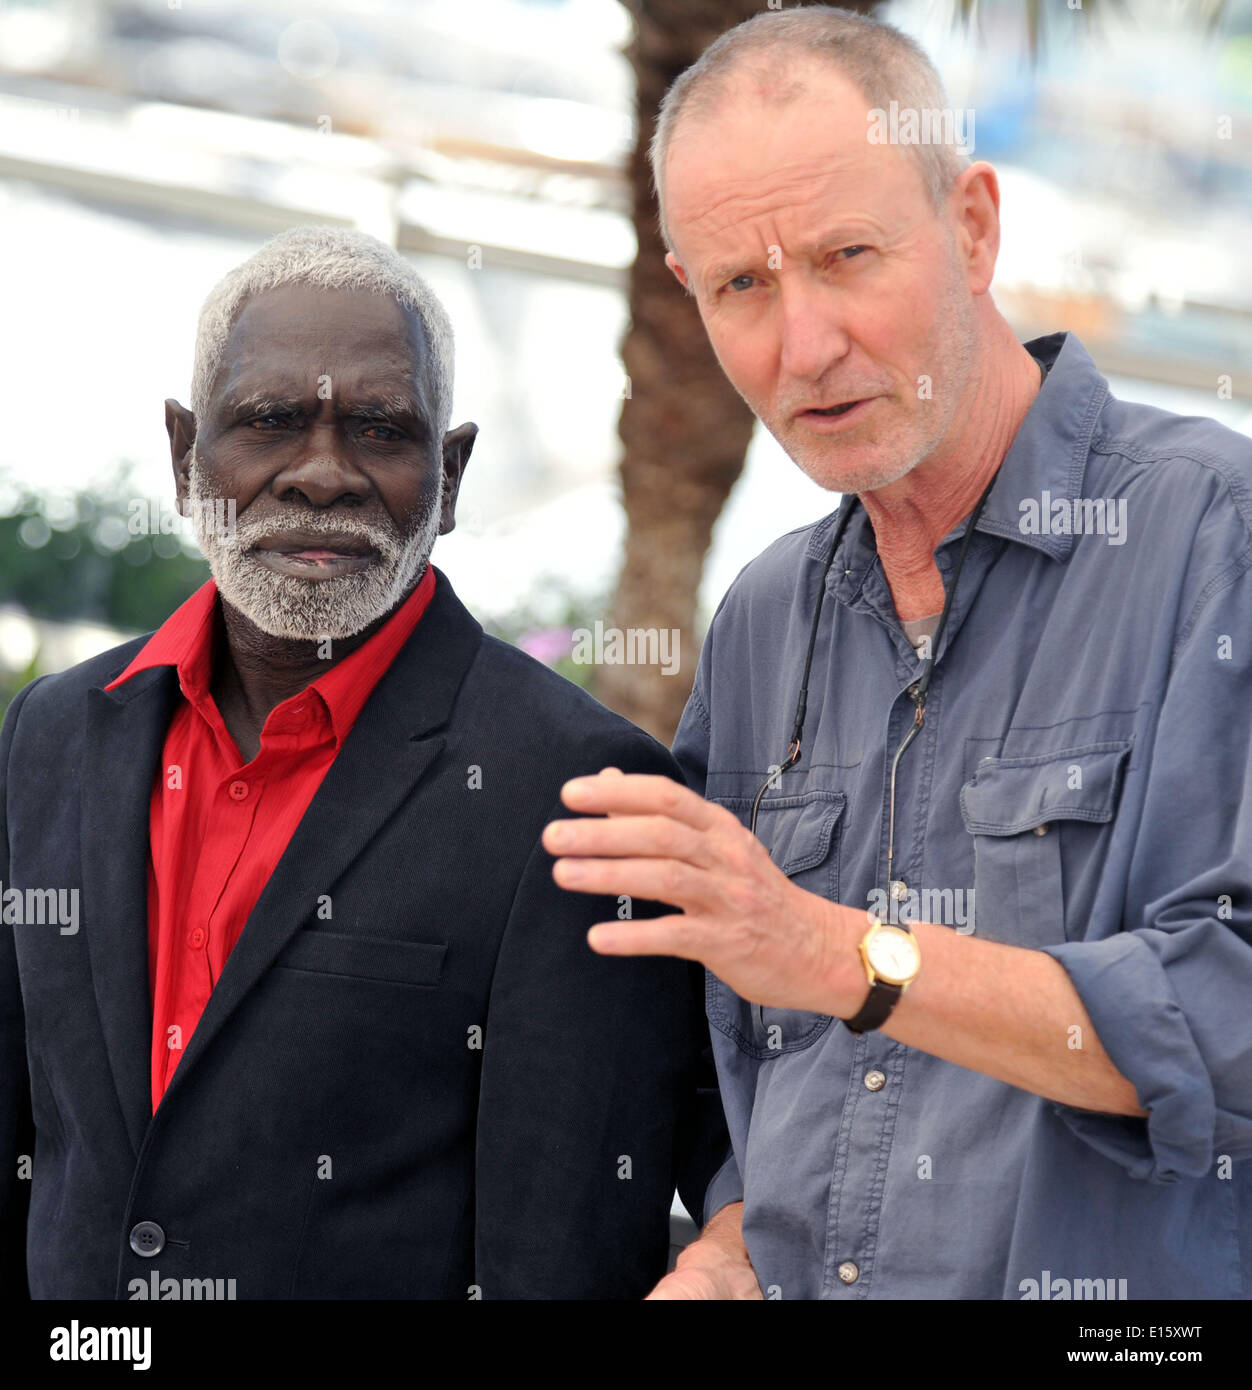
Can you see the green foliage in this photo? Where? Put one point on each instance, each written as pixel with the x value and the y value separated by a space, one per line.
pixel 73 556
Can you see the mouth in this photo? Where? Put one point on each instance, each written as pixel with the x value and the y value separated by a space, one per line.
pixel 826 416
pixel 315 556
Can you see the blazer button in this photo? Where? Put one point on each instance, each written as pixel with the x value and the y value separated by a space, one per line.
pixel 147 1239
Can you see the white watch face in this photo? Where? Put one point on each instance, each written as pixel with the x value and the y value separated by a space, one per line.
pixel 893 954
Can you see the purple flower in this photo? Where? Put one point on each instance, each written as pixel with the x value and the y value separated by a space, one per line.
pixel 548 644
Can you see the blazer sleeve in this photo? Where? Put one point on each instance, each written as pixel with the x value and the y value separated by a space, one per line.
pixel 17 1127
pixel 597 1093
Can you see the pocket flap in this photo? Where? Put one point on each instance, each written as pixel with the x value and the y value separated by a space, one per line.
pixel 800 828
pixel 1009 795
pixel 365 957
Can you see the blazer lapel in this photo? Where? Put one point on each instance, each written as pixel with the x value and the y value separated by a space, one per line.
pixel 125 733
pixel 392 744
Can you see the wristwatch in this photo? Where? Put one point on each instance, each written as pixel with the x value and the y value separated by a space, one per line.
pixel 892 961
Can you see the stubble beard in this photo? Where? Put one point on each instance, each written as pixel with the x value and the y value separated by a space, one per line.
pixel 310 610
pixel 827 461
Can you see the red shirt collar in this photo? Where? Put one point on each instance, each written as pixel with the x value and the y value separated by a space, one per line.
pixel 185 641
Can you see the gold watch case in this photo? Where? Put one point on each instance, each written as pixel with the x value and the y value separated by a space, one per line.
pixel 890 954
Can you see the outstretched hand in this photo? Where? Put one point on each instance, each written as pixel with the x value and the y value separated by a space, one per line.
pixel 738 914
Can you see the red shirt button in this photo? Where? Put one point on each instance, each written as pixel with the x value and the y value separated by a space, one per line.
pixel 239 790
pixel 195 938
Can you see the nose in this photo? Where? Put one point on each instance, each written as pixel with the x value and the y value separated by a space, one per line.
pixel 812 336
pixel 322 474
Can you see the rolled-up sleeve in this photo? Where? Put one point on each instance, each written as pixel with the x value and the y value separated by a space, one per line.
pixel 726 1187
pixel 1169 994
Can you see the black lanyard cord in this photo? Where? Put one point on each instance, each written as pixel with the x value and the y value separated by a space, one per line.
pixel 797 728
pixel 918 691
pixel 919 695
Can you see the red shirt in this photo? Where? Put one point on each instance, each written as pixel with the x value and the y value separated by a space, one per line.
pixel 218 826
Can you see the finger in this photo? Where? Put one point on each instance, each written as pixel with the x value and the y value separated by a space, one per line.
pixel 658 880
pixel 611 772
pixel 656 936
pixel 639 793
pixel 639 837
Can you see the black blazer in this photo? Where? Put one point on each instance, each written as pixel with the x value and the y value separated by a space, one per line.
pixel 332 1130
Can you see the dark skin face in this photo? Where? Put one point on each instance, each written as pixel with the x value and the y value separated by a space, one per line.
pixel 368 448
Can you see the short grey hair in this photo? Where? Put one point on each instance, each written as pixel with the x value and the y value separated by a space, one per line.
pixel 881 61
pixel 331 258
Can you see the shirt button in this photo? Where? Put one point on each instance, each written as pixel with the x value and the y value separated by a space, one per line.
pixel 195 938
pixel 875 1080
pixel 1042 829
pixel 899 890
pixel 239 791
pixel 147 1239
pixel 848 1272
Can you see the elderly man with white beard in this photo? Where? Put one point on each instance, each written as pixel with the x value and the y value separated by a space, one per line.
pixel 328 1028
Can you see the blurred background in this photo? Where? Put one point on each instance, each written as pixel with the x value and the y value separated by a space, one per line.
pixel 147 147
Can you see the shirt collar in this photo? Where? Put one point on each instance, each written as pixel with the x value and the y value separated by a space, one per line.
pixel 185 641
pixel 1048 456
pixel 348 684
pixel 1045 462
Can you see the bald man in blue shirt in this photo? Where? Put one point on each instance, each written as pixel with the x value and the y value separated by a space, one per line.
pixel 967 848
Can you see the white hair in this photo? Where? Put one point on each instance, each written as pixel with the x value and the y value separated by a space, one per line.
pixel 331 258
pixel 880 61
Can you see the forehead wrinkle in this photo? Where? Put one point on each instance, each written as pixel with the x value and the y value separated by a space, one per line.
pixel 797 191
pixel 854 158
pixel 398 347
pixel 832 233
pixel 785 179
pixel 393 374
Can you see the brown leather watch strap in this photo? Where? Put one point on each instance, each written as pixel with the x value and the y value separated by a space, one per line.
pixel 880 1001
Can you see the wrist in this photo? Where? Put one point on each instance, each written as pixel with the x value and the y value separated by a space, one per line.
pixel 891 960
pixel 721 1241
pixel 844 982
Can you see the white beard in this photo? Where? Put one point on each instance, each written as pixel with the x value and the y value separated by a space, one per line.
pixel 285 605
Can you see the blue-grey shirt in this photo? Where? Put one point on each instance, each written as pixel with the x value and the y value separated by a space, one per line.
pixel 1082 785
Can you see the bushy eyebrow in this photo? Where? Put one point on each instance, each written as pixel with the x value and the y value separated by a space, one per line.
pixel 384 408
pixel 261 404
pixel 388 407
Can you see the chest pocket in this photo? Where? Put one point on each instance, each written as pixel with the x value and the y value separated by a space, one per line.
pixel 802 835
pixel 1038 845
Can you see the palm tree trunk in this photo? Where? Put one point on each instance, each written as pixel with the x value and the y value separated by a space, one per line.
pixel 684 428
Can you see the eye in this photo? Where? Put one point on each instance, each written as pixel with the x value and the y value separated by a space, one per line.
pixel 741 282
pixel 269 422
pixel 848 252
pixel 388 432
